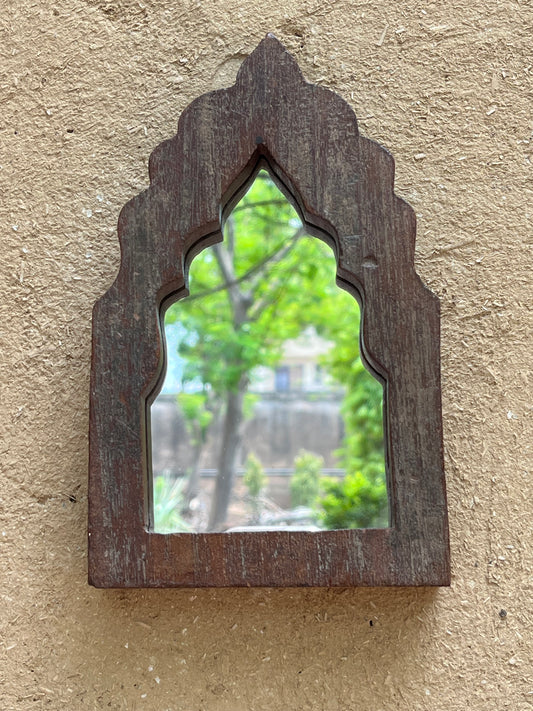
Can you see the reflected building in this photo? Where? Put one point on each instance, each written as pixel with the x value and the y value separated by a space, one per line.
pixel 296 406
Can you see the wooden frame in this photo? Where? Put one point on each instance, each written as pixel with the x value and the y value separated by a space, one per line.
pixel 342 185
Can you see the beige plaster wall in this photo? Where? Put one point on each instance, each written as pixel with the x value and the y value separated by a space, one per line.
pixel 88 89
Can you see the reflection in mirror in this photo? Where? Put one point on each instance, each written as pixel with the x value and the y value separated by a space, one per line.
pixel 267 418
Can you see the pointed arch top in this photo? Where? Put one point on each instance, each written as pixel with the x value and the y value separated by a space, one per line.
pixel 342 185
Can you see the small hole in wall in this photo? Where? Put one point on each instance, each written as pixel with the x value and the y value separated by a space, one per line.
pixel 267 417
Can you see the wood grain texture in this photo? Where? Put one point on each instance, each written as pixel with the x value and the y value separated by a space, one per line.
pixel 342 185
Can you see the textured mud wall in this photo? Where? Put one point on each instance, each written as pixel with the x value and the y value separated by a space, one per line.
pixel 88 89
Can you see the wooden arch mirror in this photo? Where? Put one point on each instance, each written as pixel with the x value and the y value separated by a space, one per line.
pixel 342 185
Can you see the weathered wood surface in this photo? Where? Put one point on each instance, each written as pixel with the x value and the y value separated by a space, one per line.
pixel 342 183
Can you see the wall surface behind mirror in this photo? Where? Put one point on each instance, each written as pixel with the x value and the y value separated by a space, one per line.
pixel 88 90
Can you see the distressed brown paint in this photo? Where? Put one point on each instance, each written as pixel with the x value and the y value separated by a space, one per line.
pixel 342 184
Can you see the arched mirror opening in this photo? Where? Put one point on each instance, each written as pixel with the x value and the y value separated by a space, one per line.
pixel 267 418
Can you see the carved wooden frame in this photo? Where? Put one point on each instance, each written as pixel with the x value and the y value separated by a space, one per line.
pixel 342 186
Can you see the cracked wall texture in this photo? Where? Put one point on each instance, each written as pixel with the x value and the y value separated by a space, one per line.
pixel 88 89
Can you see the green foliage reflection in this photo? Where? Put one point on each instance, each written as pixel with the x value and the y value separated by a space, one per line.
pixel 266 283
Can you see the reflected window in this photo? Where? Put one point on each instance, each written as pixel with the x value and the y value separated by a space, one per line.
pixel 267 417
pixel 283 379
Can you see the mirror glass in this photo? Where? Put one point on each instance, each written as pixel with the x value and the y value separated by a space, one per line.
pixel 267 418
